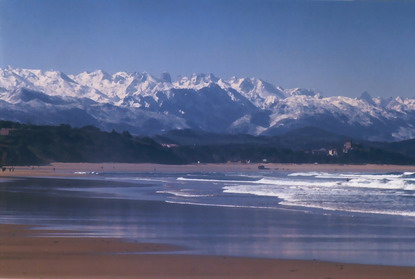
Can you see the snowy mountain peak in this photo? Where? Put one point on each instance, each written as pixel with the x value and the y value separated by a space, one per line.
pixel 143 103
pixel 100 75
pixel 259 92
pixel 203 78
pixel 302 92
pixel 195 81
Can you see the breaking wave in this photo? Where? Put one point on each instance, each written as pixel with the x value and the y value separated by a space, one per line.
pixel 183 193
pixel 351 192
pixel 393 182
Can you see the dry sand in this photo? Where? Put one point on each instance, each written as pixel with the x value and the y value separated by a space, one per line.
pixel 82 169
pixel 24 255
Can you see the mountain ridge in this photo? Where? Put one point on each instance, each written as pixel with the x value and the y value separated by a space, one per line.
pixel 148 105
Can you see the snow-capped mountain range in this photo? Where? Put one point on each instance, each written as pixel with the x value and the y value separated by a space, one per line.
pixel 144 104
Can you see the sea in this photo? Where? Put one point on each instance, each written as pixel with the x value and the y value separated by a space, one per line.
pixel 349 217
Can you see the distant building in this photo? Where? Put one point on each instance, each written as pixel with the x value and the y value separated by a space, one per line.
pixel 169 145
pixel 332 152
pixel 347 146
pixel 5 131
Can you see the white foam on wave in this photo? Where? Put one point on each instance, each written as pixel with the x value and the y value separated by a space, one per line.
pixel 216 180
pixel 219 205
pixel 184 194
pixel 149 179
pixel 255 190
pixel 293 199
pixel 362 181
pixel 370 176
pixel 295 182
pixel 311 173
pixel 392 184
pixel 312 193
pixel 86 172
pixel 351 175
pixel 347 192
pixel 395 213
pixel 351 210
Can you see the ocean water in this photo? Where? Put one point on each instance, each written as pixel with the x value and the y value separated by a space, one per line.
pixel 371 193
pixel 388 193
pixel 345 217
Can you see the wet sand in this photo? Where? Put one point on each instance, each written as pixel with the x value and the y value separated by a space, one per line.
pixel 83 169
pixel 24 255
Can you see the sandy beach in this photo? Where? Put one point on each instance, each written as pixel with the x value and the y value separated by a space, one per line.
pixel 25 255
pixel 83 169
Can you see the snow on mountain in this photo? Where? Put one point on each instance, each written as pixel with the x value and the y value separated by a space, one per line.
pixel 301 92
pixel 262 94
pixel 53 83
pixel 123 88
pixel 196 81
pixel 146 104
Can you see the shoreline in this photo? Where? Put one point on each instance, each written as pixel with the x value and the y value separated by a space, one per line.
pixel 25 255
pixel 86 169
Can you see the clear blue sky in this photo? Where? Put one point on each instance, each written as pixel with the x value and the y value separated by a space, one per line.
pixel 337 47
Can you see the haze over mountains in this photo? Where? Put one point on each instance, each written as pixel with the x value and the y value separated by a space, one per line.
pixel 144 104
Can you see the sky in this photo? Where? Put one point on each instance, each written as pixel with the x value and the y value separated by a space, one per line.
pixel 336 47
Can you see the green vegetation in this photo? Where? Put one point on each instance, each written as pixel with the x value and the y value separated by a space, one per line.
pixel 29 144
pixel 259 153
pixel 24 144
